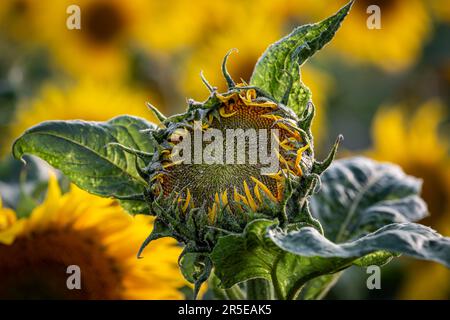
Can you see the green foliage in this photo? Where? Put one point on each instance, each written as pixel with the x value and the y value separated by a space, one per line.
pixel 81 150
pixel 238 258
pixel 365 208
pixel 303 259
pixel 278 70
pixel 370 194
pixel 412 239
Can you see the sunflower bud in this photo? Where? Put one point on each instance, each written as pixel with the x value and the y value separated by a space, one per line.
pixel 238 156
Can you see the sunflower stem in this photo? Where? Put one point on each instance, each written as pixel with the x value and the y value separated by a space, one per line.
pixel 235 293
pixel 259 289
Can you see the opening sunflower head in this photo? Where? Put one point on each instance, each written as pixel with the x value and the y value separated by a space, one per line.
pixel 235 152
pixel 236 156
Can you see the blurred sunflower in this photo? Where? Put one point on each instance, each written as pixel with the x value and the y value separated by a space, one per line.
pixel 405 26
pixel 87 100
pixel 111 29
pixel 93 233
pixel 414 144
pixel 180 24
pixel 440 9
pixel 100 47
pixel 9 225
pixel 250 46
pixel 18 17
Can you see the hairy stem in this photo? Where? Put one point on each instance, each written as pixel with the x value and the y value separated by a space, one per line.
pixel 235 293
pixel 259 289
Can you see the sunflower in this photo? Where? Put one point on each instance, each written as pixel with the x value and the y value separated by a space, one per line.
pixel 86 99
pixel 414 144
pixel 101 46
pixel 441 10
pixel 227 186
pixel 405 26
pixel 180 24
pixel 93 233
pixel 206 20
pixel 244 183
pixel 111 29
pixel 237 156
pixel 9 225
pixel 18 17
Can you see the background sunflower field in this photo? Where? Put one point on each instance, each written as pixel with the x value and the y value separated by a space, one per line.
pixel 386 90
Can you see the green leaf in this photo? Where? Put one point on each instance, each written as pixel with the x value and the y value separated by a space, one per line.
pixel 378 258
pixel 188 266
pixel 359 195
pixel 318 288
pixel 80 150
pixel 252 254
pixel 411 239
pixel 196 268
pixel 278 70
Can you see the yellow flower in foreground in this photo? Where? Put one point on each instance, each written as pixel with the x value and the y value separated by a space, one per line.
pixel 93 233
pixel 414 144
pixel 86 100
pixel 9 225
pixel 405 26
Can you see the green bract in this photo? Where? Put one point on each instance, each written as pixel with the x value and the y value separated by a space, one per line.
pixel 268 230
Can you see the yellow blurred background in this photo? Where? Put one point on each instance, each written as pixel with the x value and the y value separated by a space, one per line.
pixel 386 90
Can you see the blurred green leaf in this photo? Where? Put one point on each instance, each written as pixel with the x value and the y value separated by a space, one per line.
pixel 22 188
pixel 80 150
pixel 278 69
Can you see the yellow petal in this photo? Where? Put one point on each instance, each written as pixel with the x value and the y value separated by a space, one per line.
pixel 298 159
pixel 224 114
pixel 250 199
pixel 265 189
pixel 188 200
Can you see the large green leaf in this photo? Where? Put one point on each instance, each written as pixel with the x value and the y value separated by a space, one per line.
pixel 359 195
pixel 364 196
pixel 291 260
pixel 279 66
pixel 250 255
pixel 81 150
pixel 411 239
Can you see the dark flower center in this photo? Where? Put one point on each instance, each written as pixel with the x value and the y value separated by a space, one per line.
pixel 102 22
pixel 35 266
